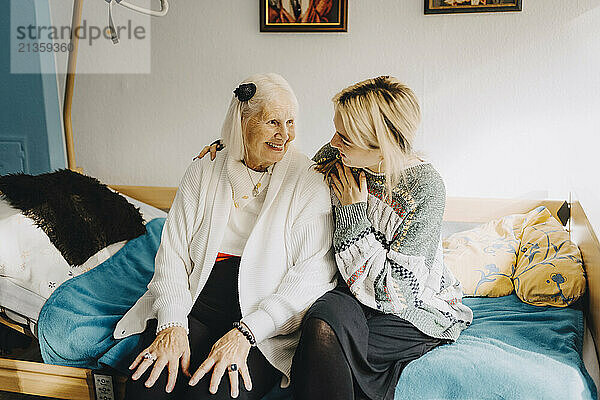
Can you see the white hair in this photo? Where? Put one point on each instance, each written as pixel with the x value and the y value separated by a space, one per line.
pixel 269 87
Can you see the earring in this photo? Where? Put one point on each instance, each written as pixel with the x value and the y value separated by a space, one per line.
pixel 379 166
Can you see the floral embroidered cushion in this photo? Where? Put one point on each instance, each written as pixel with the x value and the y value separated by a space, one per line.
pixel 549 270
pixel 483 258
pixel 528 253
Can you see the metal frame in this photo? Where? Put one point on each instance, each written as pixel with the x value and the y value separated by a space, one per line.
pixel 341 26
pixel 430 9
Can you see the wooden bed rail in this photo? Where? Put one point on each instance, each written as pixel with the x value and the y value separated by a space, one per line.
pixel 468 209
pixel 459 209
pixel 53 381
pixel 45 380
pixel 583 234
pixel 159 197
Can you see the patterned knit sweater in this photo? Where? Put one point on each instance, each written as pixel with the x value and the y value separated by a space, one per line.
pixel 390 252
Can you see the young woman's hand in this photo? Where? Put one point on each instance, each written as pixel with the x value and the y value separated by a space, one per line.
pixel 170 346
pixel 232 348
pixel 345 187
pixel 212 148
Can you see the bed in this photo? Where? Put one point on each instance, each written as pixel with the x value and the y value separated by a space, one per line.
pixel 22 306
pixel 23 373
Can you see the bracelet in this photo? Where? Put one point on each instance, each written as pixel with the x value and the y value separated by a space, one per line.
pixel 171 325
pixel 246 332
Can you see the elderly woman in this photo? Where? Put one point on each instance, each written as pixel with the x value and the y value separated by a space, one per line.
pixel 244 252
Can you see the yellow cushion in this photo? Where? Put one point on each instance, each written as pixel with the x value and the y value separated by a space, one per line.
pixel 549 267
pixel 483 258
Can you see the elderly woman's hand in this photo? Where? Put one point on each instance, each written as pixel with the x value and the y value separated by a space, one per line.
pixel 168 348
pixel 345 187
pixel 232 348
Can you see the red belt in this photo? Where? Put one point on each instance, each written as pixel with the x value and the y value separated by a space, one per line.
pixel 224 256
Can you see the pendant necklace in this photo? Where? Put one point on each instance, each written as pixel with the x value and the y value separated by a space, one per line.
pixel 255 190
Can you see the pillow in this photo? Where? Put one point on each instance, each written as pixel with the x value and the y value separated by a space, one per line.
pixel 483 258
pixel 549 270
pixel 58 225
pixel 80 215
pixel 28 257
pixel 31 268
pixel 529 253
pixel 30 260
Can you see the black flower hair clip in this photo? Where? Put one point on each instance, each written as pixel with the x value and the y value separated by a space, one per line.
pixel 245 91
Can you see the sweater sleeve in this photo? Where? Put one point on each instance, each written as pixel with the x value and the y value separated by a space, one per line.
pixel 313 267
pixel 383 274
pixel 326 154
pixel 170 284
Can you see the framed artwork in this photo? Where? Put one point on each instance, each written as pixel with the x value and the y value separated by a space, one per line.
pixel 303 15
pixel 470 6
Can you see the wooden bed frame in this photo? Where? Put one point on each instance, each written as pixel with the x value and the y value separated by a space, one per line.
pixel 76 383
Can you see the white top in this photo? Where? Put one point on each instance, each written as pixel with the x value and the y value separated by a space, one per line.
pixel 245 207
pixel 286 265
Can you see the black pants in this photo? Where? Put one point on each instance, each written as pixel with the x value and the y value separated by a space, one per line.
pixel 212 315
pixel 349 351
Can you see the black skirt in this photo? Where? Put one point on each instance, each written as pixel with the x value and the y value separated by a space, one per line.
pixel 211 317
pixel 377 346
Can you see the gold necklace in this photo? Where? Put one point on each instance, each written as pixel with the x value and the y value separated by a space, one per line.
pixel 255 190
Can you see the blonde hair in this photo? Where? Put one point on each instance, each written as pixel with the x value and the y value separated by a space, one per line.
pixel 269 87
pixel 382 113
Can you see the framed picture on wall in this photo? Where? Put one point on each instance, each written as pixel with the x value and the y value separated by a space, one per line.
pixel 303 15
pixel 470 6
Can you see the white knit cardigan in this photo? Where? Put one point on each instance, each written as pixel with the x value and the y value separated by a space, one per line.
pixel 286 265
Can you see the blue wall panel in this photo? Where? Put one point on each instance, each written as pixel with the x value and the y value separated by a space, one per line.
pixel 31 138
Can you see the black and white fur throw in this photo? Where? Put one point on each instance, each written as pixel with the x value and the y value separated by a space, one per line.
pixel 79 214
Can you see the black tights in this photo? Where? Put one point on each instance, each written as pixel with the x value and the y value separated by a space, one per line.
pixel 320 370
pixel 348 351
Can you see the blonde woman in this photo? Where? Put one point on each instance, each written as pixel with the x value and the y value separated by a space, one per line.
pixel 396 299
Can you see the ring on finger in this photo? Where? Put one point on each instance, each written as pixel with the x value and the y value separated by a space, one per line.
pixel 149 356
pixel 232 367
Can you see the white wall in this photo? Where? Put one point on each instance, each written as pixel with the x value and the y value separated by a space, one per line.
pixel 506 97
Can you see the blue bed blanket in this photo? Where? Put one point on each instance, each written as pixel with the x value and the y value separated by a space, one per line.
pixel 76 323
pixel 512 350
